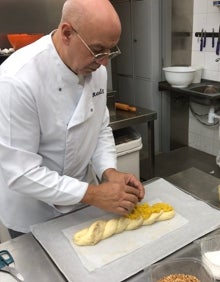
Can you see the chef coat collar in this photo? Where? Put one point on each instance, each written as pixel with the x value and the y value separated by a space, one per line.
pixel 66 72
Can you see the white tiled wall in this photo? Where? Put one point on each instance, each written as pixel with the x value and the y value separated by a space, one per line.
pixel 207 17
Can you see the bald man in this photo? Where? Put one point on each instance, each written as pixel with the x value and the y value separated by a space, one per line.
pixel 55 123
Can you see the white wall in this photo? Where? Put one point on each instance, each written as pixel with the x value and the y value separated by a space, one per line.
pixel 206 16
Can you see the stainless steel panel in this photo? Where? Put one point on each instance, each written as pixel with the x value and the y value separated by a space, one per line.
pixel 179 121
pixel 182 24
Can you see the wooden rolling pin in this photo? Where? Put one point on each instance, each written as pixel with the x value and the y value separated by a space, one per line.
pixel 125 107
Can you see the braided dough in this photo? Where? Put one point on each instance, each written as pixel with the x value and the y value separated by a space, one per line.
pixel 143 214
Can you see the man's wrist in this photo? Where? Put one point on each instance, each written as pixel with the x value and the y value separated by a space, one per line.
pixel 89 195
pixel 108 174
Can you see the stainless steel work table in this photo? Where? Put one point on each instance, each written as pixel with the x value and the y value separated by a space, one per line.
pixel 122 119
pixel 35 265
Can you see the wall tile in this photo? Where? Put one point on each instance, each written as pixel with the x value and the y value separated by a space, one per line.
pixel 213 21
pixel 198 59
pixel 216 132
pixel 200 6
pixel 194 140
pixel 199 22
pixel 210 63
pixel 207 17
pixel 211 75
pixel 216 147
pixel 211 8
pixel 193 126
pixel 207 145
pixel 207 131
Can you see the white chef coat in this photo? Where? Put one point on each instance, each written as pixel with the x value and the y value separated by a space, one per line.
pixel 51 128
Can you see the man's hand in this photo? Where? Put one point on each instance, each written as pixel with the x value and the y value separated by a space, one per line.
pixel 118 194
pixel 112 175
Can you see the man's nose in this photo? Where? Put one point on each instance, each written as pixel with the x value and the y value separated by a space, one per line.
pixel 104 61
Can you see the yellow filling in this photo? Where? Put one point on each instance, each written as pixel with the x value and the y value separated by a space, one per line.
pixel 144 210
pixel 162 206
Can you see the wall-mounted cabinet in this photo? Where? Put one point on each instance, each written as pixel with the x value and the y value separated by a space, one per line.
pixel 135 19
pixel 136 27
pixel 137 71
pixel 139 43
pixel 124 61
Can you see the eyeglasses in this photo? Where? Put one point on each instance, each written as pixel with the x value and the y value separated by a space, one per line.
pixel 100 56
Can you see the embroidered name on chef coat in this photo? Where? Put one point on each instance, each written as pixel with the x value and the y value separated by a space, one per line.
pixel 101 91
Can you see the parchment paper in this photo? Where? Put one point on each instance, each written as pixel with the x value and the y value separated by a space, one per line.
pixel 122 244
pixel 201 219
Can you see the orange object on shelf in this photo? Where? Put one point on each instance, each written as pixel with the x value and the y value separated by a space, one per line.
pixel 125 107
pixel 18 40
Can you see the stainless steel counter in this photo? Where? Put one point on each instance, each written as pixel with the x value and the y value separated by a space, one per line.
pixel 198 183
pixel 31 261
pixel 35 265
pixel 123 119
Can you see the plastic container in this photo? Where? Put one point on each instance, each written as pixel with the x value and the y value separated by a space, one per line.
pixel 180 266
pixel 128 145
pixel 19 40
pixel 198 74
pixel 210 250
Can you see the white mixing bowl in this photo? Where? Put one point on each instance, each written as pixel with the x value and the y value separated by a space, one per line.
pixel 179 77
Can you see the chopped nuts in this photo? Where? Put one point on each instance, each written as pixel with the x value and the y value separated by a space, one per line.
pixel 179 278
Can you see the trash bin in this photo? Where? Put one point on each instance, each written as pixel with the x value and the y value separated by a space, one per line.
pixel 128 145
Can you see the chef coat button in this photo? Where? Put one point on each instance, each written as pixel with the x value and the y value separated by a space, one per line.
pixel 60 89
pixel 91 110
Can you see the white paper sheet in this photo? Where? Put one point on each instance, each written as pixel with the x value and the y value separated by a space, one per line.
pixel 122 244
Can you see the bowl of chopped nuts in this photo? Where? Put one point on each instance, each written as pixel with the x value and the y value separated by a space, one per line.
pixel 180 269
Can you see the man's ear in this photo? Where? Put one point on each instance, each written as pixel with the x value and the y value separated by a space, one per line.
pixel 67 32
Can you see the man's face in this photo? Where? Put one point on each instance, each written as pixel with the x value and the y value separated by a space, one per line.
pixel 84 63
pixel 87 55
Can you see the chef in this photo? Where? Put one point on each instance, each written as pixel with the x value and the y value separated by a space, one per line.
pixel 54 122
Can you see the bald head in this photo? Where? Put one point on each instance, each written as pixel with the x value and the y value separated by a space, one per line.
pixel 87 28
pixel 95 17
